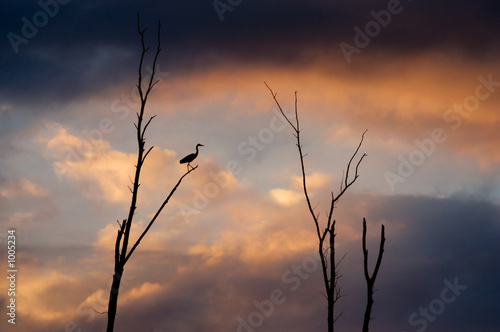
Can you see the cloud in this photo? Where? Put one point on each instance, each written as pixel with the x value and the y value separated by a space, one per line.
pixel 25 187
pixel 397 101
pixel 285 197
pixel 157 239
pixel 142 292
pixel 103 172
pixel 43 294
pixel 5 108
pixel 314 181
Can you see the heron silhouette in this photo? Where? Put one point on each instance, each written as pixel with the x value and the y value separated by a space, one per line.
pixel 190 157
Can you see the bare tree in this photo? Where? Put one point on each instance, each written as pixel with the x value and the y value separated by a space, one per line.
pixel 327 255
pixel 122 239
pixel 370 280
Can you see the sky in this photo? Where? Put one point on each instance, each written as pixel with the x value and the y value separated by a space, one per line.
pixel 236 249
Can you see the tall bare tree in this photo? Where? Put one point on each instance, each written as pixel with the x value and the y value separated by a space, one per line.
pixel 122 254
pixel 327 251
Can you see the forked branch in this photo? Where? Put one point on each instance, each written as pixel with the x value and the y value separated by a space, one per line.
pixel 370 280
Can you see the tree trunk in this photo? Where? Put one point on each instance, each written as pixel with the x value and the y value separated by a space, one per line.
pixel 330 315
pixel 113 297
pixel 333 281
pixel 369 304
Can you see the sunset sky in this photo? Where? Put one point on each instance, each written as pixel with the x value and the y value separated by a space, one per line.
pixel 423 77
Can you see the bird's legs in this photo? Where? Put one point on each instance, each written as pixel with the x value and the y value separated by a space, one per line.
pixel 189 165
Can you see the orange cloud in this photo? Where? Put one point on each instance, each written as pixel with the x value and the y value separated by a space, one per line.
pixel 146 290
pixel 285 197
pixel 25 187
pixel 314 181
pixel 398 100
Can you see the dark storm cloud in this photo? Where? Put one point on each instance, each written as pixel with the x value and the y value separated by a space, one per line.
pixel 432 240
pixel 89 46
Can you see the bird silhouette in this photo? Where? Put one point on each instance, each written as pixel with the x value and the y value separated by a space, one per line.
pixel 190 157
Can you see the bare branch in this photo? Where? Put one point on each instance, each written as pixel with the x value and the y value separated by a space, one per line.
pixel 341 182
pixel 144 50
pixel 380 253
pixel 279 107
pixel 356 175
pixel 340 260
pixel 144 158
pixel 324 234
pixel 354 154
pixel 296 114
pixel 118 241
pixel 338 316
pixel 365 252
pixel 147 124
pixel 153 71
pixel 330 213
pixel 157 214
pixel 359 162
